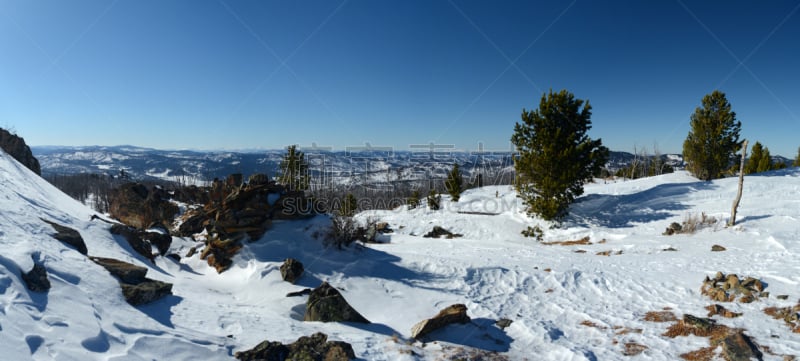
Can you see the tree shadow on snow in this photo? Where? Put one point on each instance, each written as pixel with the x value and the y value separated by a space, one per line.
pixel 620 211
pixel 480 333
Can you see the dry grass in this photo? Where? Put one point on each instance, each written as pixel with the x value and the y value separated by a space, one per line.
pixel 625 331
pixel 588 323
pixel 789 315
pixel 703 354
pixel 633 349
pixel 609 253
pixel 580 242
pixel 660 316
pixel 717 309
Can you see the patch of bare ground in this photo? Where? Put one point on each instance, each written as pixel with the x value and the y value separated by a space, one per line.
pixel 703 354
pixel 633 349
pixel 457 353
pixel 580 242
pixel 588 323
pixel 734 343
pixel 717 309
pixel 660 316
pixel 789 315
pixel 609 253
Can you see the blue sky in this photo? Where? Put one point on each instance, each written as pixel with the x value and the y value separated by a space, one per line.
pixel 222 74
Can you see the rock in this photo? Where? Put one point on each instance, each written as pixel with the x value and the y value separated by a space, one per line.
pixel 503 323
pixel 326 304
pixel 739 347
pixel 311 348
pixel 159 240
pixel 437 232
pixel 36 279
pixel 782 297
pixel 700 323
pixel 383 228
pixel 291 270
pixel 124 271
pixel 15 147
pixel 257 179
pixel 456 313
pixel 302 292
pixel 69 236
pixel 145 292
pixel 134 239
pixel 136 288
pixel 717 248
pixel 716 309
pixel 139 207
pixel 673 228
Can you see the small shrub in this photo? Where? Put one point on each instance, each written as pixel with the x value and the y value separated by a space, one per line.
pixel 413 201
pixel 534 232
pixel 344 231
pixel 434 200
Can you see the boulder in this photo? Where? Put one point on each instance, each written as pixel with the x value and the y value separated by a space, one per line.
pixel 257 179
pixel 15 147
pixel 139 207
pixel 673 228
pixel 69 236
pixel 145 292
pixel 134 239
pixel 717 248
pixel 124 271
pixel 437 232
pixel 739 347
pixel 136 288
pixel 36 279
pixel 326 304
pixel 312 348
pixel 291 270
pixel 456 313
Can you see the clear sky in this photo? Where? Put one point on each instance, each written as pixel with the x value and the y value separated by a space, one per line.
pixel 224 74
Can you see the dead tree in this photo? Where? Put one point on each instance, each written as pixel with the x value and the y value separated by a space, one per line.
pixel 741 182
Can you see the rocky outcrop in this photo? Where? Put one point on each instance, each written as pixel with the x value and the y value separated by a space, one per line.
pixel 141 207
pixel 456 313
pixel 737 346
pixel 136 288
pixel 312 348
pixel 437 232
pixel 15 147
pixel 142 241
pixel 291 270
pixel 326 304
pixel 36 279
pixel 69 236
pixel 727 288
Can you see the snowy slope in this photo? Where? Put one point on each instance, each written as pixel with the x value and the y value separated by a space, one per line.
pixel 547 290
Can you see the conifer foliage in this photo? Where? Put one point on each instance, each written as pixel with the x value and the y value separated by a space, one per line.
pixel 454 183
pixel 797 159
pixel 713 139
pixel 556 156
pixel 294 169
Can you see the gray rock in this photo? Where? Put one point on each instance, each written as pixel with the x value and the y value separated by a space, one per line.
pixel 717 248
pixel 15 147
pixel 291 270
pixel 739 347
pixel 145 292
pixel 312 348
pixel 36 279
pixel 456 313
pixel 68 236
pixel 124 271
pixel 326 304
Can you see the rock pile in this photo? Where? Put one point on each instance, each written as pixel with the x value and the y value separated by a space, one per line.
pixel 141 207
pixel 312 348
pixel 727 288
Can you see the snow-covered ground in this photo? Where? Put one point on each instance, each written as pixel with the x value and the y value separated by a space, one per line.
pixel 549 291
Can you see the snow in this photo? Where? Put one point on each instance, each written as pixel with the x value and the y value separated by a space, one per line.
pixel 547 290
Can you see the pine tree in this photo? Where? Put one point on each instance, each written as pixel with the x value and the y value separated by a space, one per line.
pixel 714 138
pixel 434 200
pixel 293 172
pixel 454 183
pixel 797 159
pixel 349 206
pixel 765 163
pixel 755 157
pixel 556 156
pixel 413 201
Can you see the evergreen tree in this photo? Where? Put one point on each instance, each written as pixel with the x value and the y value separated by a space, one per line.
pixel 293 172
pixel 434 200
pixel 556 156
pixel 714 138
pixel 454 183
pixel 765 163
pixel 349 206
pixel 413 201
pixel 797 159
pixel 756 154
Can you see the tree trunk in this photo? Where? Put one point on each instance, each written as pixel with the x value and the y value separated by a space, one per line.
pixel 741 182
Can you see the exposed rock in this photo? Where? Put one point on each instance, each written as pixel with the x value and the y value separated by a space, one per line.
pixel 69 236
pixel 219 253
pixel 727 288
pixel 717 309
pixel 456 313
pixel 717 248
pixel 139 207
pixel 673 228
pixel 503 323
pixel 134 238
pixel 124 271
pixel 192 222
pixel 15 147
pixel 159 240
pixel 437 232
pixel 383 228
pixel 312 348
pixel 291 270
pixel 302 292
pixel 36 279
pixel 145 292
pixel 326 304
pixel 136 288
pixel 738 347
pixel 257 179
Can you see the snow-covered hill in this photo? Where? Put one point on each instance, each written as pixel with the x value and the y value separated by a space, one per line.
pixel 564 304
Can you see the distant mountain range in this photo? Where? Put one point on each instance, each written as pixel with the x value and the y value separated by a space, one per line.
pixel 340 167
